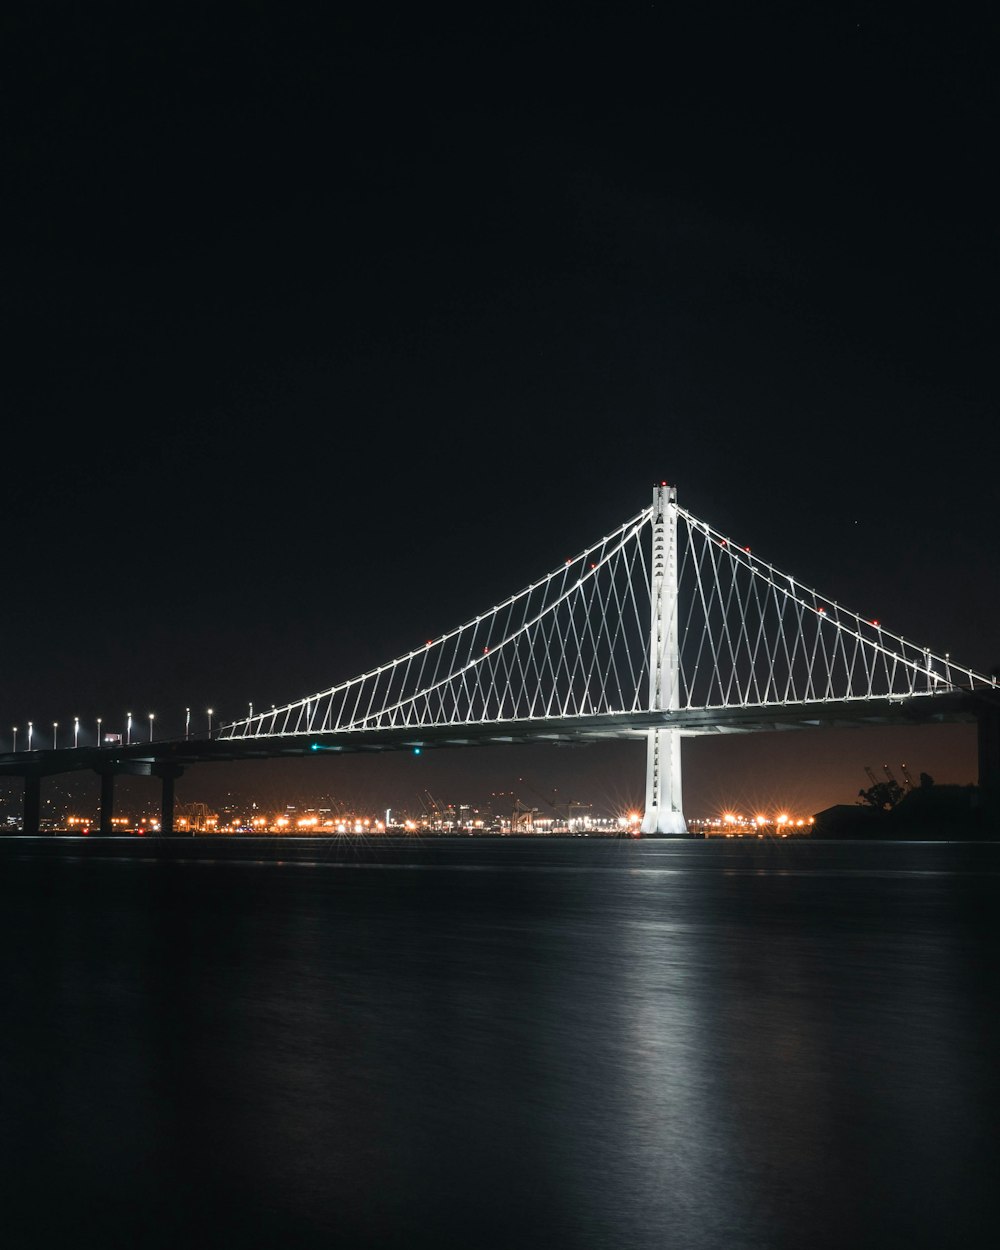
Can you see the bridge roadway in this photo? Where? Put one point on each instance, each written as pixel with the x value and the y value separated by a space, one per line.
pixel 168 759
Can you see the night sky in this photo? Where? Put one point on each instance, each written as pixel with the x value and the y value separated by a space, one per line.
pixel 327 330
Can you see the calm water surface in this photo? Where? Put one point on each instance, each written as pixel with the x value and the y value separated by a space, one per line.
pixel 497 1043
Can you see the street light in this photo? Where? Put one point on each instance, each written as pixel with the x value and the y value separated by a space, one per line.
pixel 76 731
pixel 99 738
pixel 151 726
pixel 210 722
pixel 187 722
pixel 128 731
pixel 15 739
pixel 55 726
pixel 30 728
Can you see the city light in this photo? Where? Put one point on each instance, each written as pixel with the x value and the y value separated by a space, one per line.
pixel 502 815
pixel 731 823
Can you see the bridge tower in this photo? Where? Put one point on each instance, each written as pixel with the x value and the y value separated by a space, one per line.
pixel 664 812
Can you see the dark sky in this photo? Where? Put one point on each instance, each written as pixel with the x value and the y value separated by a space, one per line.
pixel 325 331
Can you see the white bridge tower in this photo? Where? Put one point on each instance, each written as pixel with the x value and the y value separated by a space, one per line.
pixel 664 812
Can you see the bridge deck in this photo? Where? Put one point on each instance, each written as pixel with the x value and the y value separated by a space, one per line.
pixel 149 758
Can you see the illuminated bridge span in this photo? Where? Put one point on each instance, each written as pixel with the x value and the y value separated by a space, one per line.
pixel 663 629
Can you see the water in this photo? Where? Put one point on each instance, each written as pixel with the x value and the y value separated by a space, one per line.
pixel 477 1044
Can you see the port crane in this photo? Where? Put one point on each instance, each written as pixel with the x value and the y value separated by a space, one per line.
pixel 896 791
pixel 882 794
pixel 538 794
pixel 432 809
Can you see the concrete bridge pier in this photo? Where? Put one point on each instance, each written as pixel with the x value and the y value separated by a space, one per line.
pixel 988 736
pixel 105 827
pixel 31 823
pixel 664 811
pixel 168 774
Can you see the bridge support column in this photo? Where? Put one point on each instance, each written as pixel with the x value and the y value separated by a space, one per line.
pixel 663 813
pixel 988 736
pixel 31 823
pixel 168 774
pixel 107 803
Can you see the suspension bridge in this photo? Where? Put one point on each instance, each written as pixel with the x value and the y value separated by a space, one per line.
pixel 661 630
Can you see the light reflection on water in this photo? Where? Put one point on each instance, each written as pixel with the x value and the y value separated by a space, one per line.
pixel 499 1043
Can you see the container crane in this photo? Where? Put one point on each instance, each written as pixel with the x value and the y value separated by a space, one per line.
pixel 896 791
pixel 886 794
pixel 881 794
pixel 545 799
pixel 538 794
pixel 432 809
pixel 907 779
